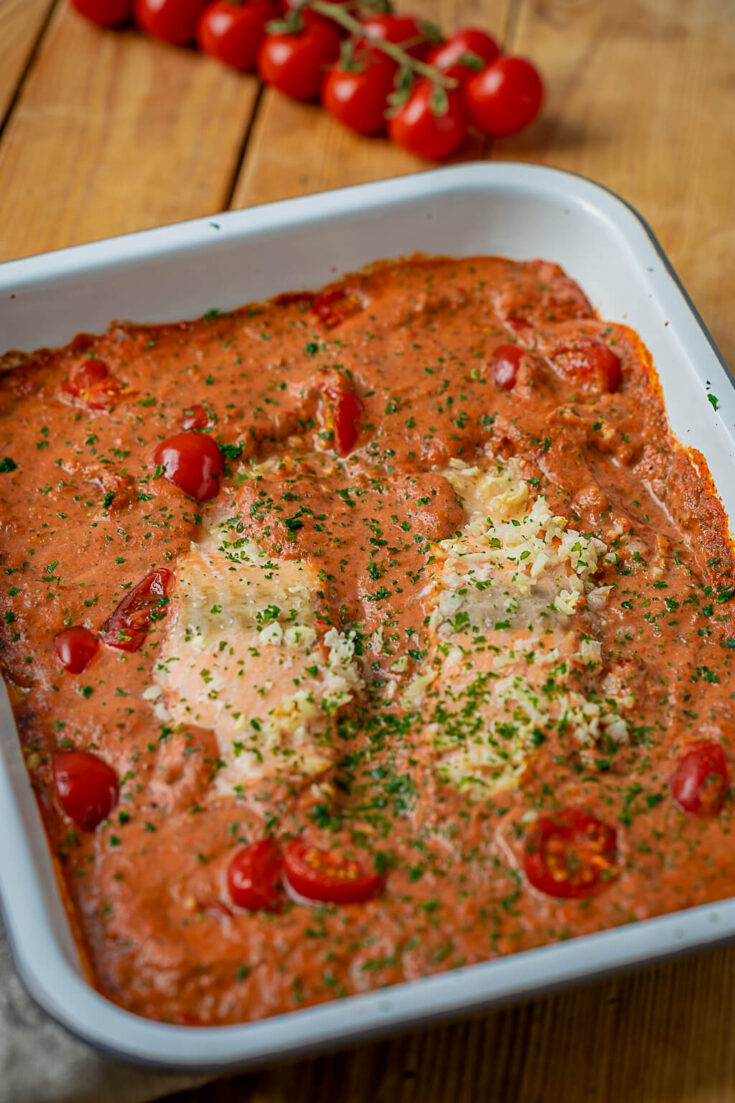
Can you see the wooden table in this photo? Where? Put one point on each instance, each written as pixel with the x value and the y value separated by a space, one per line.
pixel 104 133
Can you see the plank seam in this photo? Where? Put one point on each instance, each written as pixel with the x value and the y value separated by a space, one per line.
pixel 30 61
pixel 240 159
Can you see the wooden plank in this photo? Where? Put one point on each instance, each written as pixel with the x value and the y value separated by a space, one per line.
pixel 21 22
pixel 115 132
pixel 296 148
pixel 642 98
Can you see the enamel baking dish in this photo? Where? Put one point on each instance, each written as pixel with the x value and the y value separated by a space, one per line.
pixel 514 210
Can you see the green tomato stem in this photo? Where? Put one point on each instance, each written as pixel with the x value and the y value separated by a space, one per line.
pixel 337 13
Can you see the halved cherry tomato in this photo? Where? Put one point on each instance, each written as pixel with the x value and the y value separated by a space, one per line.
pixel 571 854
pixel 86 787
pixel 127 627
pixel 590 364
pixel 91 381
pixel 505 97
pixel 504 365
pixel 75 648
pixel 295 64
pixel 254 874
pixel 344 409
pixel 174 21
pixel 195 417
pixel 335 306
pixel 414 34
pixel 355 93
pixel 193 462
pixel 467 52
pixel 105 13
pixel 699 781
pixel 328 876
pixel 429 124
pixel 232 32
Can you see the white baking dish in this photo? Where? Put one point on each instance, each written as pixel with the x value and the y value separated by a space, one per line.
pixel 519 211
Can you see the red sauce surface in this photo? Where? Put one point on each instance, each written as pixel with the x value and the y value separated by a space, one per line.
pixel 466 826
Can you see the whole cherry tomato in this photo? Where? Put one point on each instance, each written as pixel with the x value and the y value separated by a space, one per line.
pixel 295 64
pixel 174 21
pixel 105 13
pixel 75 648
pixel 699 781
pixel 590 364
pixel 328 876
pixel 431 123
pixel 570 854
pixel 232 32
pixel 85 786
pixel 504 365
pixel 467 52
pixel 355 93
pixel 127 627
pixel 413 34
pixel 254 874
pixel 193 462
pixel 505 97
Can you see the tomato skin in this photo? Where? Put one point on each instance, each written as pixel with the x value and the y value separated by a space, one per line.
pixel 698 783
pixel 127 627
pixel 418 129
pixel 400 29
pixel 468 40
pixel 85 786
pixel 504 365
pixel 590 364
pixel 232 33
pixel 295 63
pixel 91 381
pixel 75 648
pixel 195 417
pixel 358 98
pixel 345 408
pixel 254 875
pixel 105 13
pixel 336 306
pixel 505 97
pixel 174 21
pixel 570 854
pixel 327 876
pixel 193 462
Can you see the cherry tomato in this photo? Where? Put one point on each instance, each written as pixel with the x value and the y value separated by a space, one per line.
pixel 343 417
pixel 356 94
pixel 699 781
pixel 86 787
pixel 105 13
pixel 504 365
pixel 327 876
pixel 193 462
pixel 91 381
pixel 505 97
pixel 75 648
pixel 174 21
pixel 195 417
pixel 295 63
pixel 429 124
pixel 589 364
pixel 414 35
pixel 333 307
pixel 253 876
pixel 570 854
pixel 467 52
pixel 232 32
pixel 127 627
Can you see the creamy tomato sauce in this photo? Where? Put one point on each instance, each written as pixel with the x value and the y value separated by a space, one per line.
pixel 362 634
